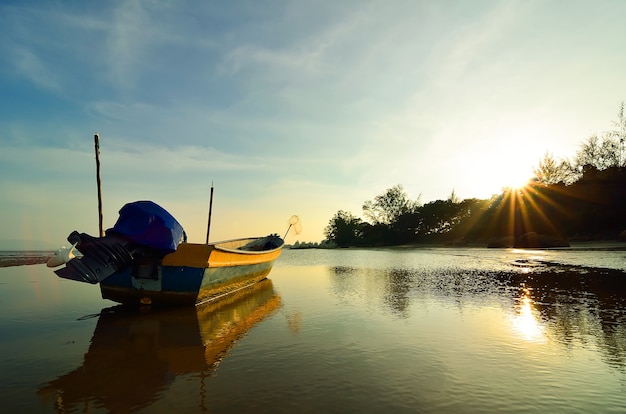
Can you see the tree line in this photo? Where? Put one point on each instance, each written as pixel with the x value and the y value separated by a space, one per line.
pixel 582 198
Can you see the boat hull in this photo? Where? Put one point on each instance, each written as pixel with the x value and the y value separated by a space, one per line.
pixel 194 273
pixel 182 285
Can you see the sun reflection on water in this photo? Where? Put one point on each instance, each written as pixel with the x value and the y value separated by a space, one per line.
pixel 527 322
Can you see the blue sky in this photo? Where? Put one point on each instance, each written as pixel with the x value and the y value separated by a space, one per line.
pixel 289 107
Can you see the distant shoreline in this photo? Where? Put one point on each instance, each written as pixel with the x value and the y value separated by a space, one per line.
pixel 586 245
pixel 21 258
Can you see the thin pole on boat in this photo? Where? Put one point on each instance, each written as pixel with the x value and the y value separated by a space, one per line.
pixel 96 140
pixel 208 227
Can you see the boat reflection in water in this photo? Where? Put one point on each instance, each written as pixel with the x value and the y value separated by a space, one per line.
pixel 134 355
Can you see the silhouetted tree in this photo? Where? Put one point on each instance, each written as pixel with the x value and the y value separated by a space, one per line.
pixel 387 207
pixel 453 198
pixel 599 153
pixel 438 217
pixel 550 171
pixel 379 235
pixel 619 133
pixel 470 215
pixel 344 229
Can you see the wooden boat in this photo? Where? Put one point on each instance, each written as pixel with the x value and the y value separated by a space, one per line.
pixel 145 259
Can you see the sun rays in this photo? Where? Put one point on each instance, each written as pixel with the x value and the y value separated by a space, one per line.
pixel 524 214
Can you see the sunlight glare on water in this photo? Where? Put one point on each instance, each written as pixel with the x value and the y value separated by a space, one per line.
pixel 527 322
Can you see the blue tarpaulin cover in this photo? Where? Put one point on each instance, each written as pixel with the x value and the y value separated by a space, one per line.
pixel 148 224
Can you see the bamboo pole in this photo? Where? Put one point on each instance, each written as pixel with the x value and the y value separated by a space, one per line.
pixel 96 140
pixel 208 227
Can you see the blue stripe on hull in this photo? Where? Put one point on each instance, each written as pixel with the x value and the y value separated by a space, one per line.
pixel 181 279
pixel 119 279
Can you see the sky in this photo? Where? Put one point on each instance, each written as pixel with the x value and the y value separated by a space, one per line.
pixel 289 107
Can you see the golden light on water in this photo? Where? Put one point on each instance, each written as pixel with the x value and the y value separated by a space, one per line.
pixel 527 323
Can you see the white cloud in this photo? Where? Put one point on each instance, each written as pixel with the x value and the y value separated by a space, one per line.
pixel 30 66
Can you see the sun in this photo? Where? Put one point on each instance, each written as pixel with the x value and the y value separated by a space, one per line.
pixel 516 179
pixel 501 175
pixel 516 155
pixel 523 145
pixel 503 158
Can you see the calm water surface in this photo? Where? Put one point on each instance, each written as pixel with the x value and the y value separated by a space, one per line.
pixel 402 330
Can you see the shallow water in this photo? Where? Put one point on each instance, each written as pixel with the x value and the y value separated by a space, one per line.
pixel 408 330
